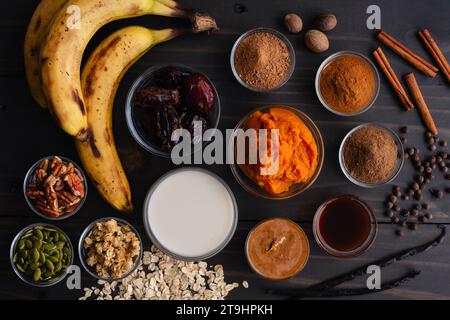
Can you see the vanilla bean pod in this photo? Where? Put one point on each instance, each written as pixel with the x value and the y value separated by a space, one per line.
pixel 347 292
pixel 329 284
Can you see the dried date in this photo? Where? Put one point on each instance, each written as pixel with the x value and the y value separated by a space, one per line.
pixel 153 97
pixel 167 121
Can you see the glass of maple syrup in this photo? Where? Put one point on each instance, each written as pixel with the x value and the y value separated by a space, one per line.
pixel 345 226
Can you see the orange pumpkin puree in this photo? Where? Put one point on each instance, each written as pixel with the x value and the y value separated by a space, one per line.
pixel 297 150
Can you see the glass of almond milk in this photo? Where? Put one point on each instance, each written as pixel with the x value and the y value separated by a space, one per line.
pixel 190 214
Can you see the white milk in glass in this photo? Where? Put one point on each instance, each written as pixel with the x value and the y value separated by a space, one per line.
pixel 191 213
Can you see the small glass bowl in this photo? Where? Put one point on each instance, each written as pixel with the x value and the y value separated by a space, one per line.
pixel 330 59
pixel 136 128
pixel 25 278
pixel 155 240
pixel 256 270
pixel 82 251
pixel 30 176
pixel 400 156
pixel 345 254
pixel 251 186
pixel 278 35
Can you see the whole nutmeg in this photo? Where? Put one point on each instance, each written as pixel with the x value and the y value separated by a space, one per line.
pixel 316 41
pixel 325 22
pixel 293 23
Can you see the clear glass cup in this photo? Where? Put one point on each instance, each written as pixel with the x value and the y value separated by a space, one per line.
pixel 24 277
pixel 30 177
pixel 278 35
pixel 330 59
pixel 251 186
pixel 345 254
pixel 400 156
pixel 155 240
pixel 135 127
pixel 83 254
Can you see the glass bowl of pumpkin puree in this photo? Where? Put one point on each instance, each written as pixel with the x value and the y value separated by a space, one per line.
pixel 273 170
pixel 277 249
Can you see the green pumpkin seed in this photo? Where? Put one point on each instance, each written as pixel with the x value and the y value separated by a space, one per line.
pixel 50 265
pixel 27 234
pixel 60 244
pixel 37 244
pixel 36 255
pixel 21 269
pixel 16 255
pixel 21 245
pixel 34 266
pixel 61 237
pixel 39 234
pixel 42 258
pixel 28 244
pixel 58 266
pixel 49 246
pixel 37 275
pixel 56 237
pixel 53 259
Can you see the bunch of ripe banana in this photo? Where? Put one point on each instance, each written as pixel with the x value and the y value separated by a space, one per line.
pixel 82 103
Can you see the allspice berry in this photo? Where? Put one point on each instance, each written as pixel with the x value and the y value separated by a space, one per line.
pixel 293 23
pixel 316 41
pixel 325 22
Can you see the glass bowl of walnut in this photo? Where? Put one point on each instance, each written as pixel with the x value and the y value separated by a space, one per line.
pixel 110 249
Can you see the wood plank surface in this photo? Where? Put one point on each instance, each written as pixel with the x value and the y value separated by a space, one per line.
pixel 27 133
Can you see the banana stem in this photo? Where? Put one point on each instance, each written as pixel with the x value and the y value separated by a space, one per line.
pixel 200 22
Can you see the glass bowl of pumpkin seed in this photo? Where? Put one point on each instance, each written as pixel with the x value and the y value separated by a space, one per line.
pixel 40 254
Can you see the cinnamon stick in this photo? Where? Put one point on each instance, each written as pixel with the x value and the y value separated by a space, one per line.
pixel 415 60
pixel 416 56
pixel 420 101
pixel 392 78
pixel 434 50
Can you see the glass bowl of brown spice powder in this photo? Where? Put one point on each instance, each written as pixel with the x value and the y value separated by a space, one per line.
pixel 262 59
pixel 347 83
pixel 371 155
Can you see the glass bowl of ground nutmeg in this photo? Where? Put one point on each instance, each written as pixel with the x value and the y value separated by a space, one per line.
pixel 347 83
pixel 371 155
pixel 262 60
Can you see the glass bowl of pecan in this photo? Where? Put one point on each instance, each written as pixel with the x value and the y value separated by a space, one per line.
pixel 110 249
pixel 55 188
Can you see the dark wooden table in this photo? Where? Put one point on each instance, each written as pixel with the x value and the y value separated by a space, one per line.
pixel 27 133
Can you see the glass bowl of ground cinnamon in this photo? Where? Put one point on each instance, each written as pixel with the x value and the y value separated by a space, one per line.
pixel 371 155
pixel 347 83
pixel 262 60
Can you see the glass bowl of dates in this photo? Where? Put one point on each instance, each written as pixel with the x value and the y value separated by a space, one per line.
pixel 55 188
pixel 170 97
pixel 40 255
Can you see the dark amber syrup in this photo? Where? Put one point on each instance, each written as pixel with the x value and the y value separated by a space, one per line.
pixel 345 224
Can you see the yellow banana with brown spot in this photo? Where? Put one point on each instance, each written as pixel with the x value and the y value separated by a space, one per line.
pixel 100 79
pixel 36 33
pixel 62 52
